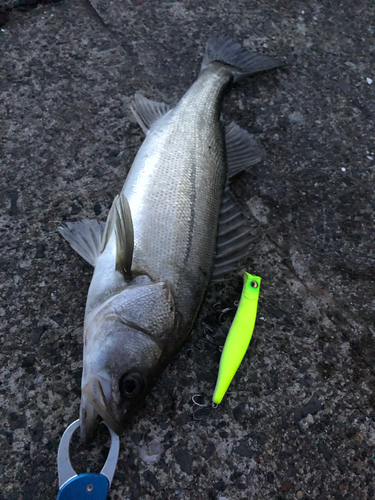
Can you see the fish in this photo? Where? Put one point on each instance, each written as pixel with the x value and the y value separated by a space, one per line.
pixel 171 231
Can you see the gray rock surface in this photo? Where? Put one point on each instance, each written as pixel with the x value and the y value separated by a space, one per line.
pixel 298 421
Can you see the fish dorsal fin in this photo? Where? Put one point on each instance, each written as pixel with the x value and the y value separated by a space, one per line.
pixel 120 219
pixel 85 237
pixel 147 112
pixel 242 149
pixel 233 239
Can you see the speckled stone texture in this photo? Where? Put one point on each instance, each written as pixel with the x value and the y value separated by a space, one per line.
pixel 298 421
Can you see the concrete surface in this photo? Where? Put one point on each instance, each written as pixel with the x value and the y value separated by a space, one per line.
pixel 299 419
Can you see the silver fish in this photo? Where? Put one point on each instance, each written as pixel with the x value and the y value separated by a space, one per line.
pixel 154 257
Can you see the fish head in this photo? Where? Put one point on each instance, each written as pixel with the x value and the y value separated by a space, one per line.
pixel 118 375
pixel 124 354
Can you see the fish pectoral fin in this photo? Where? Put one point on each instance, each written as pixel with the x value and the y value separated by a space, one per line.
pixel 89 237
pixel 234 238
pixel 124 235
pixel 85 237
pixel 242 149
pixel 147 112
pixel 120 219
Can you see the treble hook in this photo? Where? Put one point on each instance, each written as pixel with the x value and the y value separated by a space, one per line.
pixel 196 402
pixel 203 408
pixel 224 311
pixel 207 336
pixel 199 344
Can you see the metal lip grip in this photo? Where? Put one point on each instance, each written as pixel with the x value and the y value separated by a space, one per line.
pixel 89 485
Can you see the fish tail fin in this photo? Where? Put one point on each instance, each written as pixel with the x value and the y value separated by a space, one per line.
pixel 225 49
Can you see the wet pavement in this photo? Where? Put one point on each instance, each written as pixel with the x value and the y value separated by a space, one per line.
pixel 298 421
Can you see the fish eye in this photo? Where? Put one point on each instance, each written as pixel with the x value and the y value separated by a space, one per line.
pixel 131 385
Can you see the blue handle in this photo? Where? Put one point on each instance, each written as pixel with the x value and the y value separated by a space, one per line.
pixel 87 486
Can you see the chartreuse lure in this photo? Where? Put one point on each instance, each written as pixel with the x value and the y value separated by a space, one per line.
pixel 239 336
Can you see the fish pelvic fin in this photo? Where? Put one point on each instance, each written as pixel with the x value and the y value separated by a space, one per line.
pixel 226 49
pixel 242 149
pixel 120 220
pixel 85 237
pixel 147 112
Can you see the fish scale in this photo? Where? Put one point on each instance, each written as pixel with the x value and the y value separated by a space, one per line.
pixel 185 188
pixel 153 259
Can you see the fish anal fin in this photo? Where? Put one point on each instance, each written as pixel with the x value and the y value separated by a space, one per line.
pixel 147 112
pixel 234 238
pixel 85 237
pixel 242 149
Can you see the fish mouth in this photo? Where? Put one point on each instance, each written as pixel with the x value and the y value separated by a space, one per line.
pixel 95 393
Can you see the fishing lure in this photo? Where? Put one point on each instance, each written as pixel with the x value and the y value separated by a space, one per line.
pixel 239 336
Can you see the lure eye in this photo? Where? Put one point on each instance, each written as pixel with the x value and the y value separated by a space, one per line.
pixel 131 385
pixel 254 284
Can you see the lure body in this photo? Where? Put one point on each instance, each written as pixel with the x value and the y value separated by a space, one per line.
pixel 239 336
